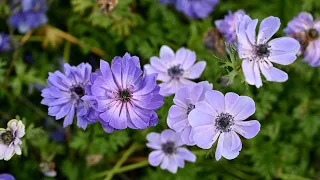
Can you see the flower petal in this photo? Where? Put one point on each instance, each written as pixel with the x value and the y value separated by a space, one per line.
pixel 186 154
pixel 229 145
pixel 166 54
pixel 273 74
pixel 205 136
pixel 199 118
pixel 268 27
pixel 247 129
pixel 283 45
pixel 155 157
pixel 216 100
pixel 195 71
pixel 231 99
pixel 246 110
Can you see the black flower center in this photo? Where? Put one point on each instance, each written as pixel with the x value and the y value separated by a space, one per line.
pixel 169 148
pixel 224 121
pixel 175 71
pixel 78 90
pixel 7 137
pixel 313 33
pixel 262 50
pixel 190 108
pixel 125 95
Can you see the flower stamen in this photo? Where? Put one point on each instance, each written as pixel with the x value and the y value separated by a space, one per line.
pixel 169 148
pixel 223 122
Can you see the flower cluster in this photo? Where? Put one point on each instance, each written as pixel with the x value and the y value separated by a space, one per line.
pixel 307 32
pixel 258 53
pixel 10 139
pixel 6 176
pixel 117 95
pixel 28 14
pixel 175 69
pixel 193 9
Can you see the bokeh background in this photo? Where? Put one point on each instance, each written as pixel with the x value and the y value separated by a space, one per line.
pixel 287 146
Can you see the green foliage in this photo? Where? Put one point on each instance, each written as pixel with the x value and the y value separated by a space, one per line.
pixel 286 148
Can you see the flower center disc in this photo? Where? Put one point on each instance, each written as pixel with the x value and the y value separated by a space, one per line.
pixel 262 50
pixel 79 91
pixel 224 121
pixel 169 148
pixel 7 137
pixel 175 71
pixel 125 95
pixel 313 33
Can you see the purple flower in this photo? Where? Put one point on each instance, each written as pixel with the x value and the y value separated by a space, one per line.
pixel 307 31
pixel 258 54
pixel 227 26
pixel 5 42
pixel 6 176
pixel 64 95
pixel 167 1
pixel 124 97
pixel 220 116
pixel 10 139
pixel 174 70
pixel 168 151
pixel 185 100
pixel 28 14
pixel 196 8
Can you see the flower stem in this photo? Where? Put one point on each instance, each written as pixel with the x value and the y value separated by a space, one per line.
pixel 125 156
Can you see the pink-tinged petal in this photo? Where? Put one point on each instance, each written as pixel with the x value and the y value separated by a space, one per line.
pixel 247 68
pixel 216 100
pixel 231 99
pixel 161 75
pixel 198 118
pixel 251 31
pixel 108 80
pixel 172 166
pixel 118 116
pixel 155 157
pixel 168 135
pixel 273 74
pixel 178 124
pixel 137 116
pixel 195 71
pixel 69 118
pixel 283 45
pixel 147 86
pixel 268 27
pixel 159 64
pixel 246 110
pixel 179 161
pixel 186 154
pixel 205 136
pixel 176 111
pixel 166 54
pixel 240 105
pixel 205 107
pixel 247 129
pixel 229 145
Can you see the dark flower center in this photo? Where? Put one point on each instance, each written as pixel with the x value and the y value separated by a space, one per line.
pixel 169 148
pixel 175 71
pixel 223 122
pixel 190 108
pixel 7 137
pixel 125 95
pixel 78 90
pixel 313 33
pixel 262 50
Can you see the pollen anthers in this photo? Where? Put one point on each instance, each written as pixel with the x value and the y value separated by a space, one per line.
pixel 7 137
pixel 223 122
pixel 175 71
pixel 169 147
pixel 124 95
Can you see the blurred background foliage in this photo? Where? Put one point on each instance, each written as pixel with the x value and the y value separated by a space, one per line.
pixel 78 31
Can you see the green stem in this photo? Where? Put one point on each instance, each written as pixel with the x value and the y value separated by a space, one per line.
pixel 32 38
pixel 125 156
pixel 66 51
pixel 123 169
